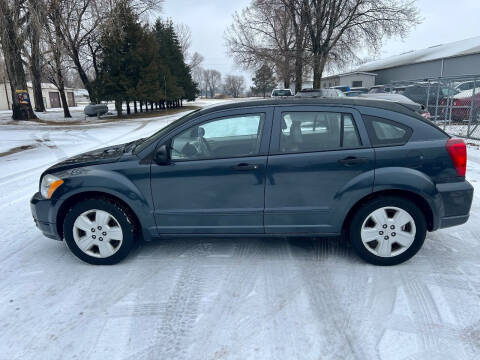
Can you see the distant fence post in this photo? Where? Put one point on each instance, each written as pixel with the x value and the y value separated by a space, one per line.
pixel 446 112
pixel 472 109
pixel 427 105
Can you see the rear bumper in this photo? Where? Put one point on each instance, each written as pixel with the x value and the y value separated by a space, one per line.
pixel 40 209
pixel 453 221
pixel 456 201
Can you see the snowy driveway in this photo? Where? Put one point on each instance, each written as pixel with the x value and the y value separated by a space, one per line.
pixel 223 298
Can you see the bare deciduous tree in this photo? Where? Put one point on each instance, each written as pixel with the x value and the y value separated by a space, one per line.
pixel 184 35
pixel 55 53
pixel 12 23
pixel 32 51
pixel 195 61
pixel 212 80
pixel 80 22
pixel 336 25
pixel 314 33
pixel 3 72
pixel 263 33
pixel 298 19
pixel 234 85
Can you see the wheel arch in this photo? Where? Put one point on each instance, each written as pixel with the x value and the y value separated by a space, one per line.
pixel 76 198
pixel 417 199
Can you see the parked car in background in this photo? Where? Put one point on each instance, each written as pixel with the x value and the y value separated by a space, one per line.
pixel 95 109
pixel 372 170
pixel 467 85
pixel 360 89
pixel 426 94
pixel 281 92
pixel 400 99
pixel 380 89
pixel 342 88
pixel 459 107
pixel 319 93
pixel 353 93
pixel 357 91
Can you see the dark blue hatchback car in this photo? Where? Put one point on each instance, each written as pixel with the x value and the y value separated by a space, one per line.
pixel 371 170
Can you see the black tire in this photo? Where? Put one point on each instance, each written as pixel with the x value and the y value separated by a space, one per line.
pixel 122 215
pixel 388 201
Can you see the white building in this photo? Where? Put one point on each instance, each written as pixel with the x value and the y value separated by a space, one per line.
pixel 350 79
pixel 51 96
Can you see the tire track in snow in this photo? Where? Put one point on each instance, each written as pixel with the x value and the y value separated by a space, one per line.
pixel 340 337
pixel 170 338
pixel 236 288
pixel 426 312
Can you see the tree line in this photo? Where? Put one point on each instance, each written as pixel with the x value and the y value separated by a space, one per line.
pixel 141 63
pixel 301 38
pixel 103 46
pixel 211 83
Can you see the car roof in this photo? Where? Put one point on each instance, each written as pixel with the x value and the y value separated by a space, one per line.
pixel 337 101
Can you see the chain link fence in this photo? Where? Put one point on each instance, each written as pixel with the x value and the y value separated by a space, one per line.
pixel 453 103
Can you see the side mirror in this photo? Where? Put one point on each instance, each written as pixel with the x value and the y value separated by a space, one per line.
pixel 162 155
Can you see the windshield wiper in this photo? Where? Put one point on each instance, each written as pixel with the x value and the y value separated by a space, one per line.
pixel 134 144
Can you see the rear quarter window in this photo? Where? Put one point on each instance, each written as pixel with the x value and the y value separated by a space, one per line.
pixel 383 132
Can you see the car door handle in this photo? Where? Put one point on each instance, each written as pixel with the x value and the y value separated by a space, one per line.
pixel 353 160
pixel 245 167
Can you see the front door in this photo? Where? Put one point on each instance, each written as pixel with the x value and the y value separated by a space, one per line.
pixel 215 182
pixel 320 160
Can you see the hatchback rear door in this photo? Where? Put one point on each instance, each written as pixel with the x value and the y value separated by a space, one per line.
pixel 320 164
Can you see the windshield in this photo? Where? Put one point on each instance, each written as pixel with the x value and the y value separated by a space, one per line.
pixel 163 131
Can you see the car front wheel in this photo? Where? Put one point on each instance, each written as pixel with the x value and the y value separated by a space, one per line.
pixel 99 231
pixel 388 230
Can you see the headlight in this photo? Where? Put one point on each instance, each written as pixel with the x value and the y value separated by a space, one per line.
pixel 49 184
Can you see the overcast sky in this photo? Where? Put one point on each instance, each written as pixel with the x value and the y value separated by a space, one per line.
pixel 444 21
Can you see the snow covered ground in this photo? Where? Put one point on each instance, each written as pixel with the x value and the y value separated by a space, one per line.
pixel 223 298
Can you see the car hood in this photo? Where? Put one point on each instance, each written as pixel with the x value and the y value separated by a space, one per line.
pixel 99 156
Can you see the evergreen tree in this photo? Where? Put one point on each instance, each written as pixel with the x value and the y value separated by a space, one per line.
pixel 182 84
pixel 142 64
pixel 264 80
pixel 119 68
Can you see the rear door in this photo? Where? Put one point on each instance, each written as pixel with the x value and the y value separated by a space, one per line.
pixel 320 161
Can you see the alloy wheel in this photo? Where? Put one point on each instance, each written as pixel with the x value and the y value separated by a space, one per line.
pixel 388 231
pixel 97 233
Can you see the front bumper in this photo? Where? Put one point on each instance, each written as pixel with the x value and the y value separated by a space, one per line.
pixel 456 203
pixel 40 208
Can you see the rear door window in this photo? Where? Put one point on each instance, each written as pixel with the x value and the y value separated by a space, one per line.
pixel 317 131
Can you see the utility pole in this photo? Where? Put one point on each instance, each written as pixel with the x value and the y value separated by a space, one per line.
pixel 165 83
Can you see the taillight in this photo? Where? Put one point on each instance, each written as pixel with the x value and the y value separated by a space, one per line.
pixel 458 153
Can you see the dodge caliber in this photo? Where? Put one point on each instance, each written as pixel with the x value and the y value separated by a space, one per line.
pixel 372 171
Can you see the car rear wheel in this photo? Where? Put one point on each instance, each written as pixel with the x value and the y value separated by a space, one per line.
pixel 388 230
pixel 99 231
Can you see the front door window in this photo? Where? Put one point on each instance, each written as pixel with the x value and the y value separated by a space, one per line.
pixel 230 137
